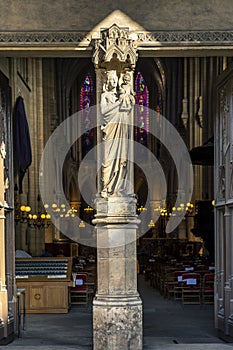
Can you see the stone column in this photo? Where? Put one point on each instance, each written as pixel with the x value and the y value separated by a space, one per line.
pixel 3 290
pixel 182 229
pixel 117 307
pixel 22 229
pixel 227 286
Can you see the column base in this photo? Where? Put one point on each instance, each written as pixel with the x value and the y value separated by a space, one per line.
pixel 7 334
pixel 117 323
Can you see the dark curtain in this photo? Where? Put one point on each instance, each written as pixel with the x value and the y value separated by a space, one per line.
pixel 22 141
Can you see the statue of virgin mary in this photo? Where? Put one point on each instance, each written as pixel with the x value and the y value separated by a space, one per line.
pixel 116 136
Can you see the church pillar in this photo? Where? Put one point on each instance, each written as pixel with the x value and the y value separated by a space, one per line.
pixel 36 235
pixel 3 290
pixel 227 286
pixel 117 307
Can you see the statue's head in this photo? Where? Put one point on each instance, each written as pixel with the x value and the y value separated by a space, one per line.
pixel 126 78
pixel 111 80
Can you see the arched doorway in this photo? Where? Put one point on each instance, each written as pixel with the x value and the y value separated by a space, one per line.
pixel 193 95
pixel 175 114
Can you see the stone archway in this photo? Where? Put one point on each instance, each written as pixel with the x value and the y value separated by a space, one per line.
pixel 52 43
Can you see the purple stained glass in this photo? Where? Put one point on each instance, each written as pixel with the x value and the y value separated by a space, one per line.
pixel 142 111
pixel 158 107
pixel 86 101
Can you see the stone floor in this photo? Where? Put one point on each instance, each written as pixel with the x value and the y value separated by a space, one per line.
pixel 167 326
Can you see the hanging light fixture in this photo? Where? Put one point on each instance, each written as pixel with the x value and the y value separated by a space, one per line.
pixel 61 212
pixel 88 209
pixel 151 224
pixel 141 209
pixel 82 224
pixel 23 214
pixel 39 219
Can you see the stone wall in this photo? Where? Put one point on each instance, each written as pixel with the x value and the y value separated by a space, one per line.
pixel 85 15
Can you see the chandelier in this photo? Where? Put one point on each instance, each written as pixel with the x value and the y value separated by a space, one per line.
pixel 61 211
pixel 151 224
pixel 88 209
pixel 141 209
pixel 24 214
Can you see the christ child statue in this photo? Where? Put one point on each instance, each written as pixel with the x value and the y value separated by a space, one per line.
pixel 126 93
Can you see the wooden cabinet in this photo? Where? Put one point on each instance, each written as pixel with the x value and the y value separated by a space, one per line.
pixel 47 282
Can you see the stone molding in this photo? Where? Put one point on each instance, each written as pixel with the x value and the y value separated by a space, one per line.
pixel 143 38
pixel 192 36
pixel 38 38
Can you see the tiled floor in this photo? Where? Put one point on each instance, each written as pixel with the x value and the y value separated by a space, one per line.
pixel 167 325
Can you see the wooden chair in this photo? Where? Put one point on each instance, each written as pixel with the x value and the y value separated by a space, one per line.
pixel 169 285
pixel 165 277
pixel 79 293
pixel 208 288
pixel 178 285
pixel 172 285
pixel 191 288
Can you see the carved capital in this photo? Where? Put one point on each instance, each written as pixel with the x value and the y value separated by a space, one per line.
pixel 115 48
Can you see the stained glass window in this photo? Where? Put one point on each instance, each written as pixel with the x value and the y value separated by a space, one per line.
pixel 86 101
pixel 142 112
pixel 159 101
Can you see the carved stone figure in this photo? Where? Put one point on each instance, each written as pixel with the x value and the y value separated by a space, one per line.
pixel 116 130
pixel 126 93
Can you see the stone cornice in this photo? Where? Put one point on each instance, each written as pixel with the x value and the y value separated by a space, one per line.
pixel 195 37
pixel 184 37
pixel 44 38
pixel 149 44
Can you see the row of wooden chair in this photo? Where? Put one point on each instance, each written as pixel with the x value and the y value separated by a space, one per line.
pixel 192 289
